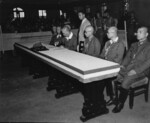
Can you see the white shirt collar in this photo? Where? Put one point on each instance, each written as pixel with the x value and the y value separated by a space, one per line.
pixel 141 42
pixel 70 36
pixel 114 41
pixel 59 35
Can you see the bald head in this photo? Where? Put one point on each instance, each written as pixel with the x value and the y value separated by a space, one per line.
pixel 113 29
pixel 89 29
pixel 112 32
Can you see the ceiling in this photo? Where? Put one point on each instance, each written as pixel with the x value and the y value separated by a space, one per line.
pixel 39 1
pixel 51 1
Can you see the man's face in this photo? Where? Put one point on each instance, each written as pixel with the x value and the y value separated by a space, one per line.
pixel 65 32
pixel 141 34
pixel 81 15
pixel 54 29
pixel 111 33
pixel 58 30
pixel 88 32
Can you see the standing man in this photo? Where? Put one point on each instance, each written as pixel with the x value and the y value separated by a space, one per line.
pixel 135 66
pixel 85 22
pixel 112 51
pixel 91 46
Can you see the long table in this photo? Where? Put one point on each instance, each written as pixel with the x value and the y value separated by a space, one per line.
pixel 83 67
pixel 88 70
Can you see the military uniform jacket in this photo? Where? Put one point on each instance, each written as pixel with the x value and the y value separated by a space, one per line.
pixel 55 38
pixel 92 47
pixel 138 58
pixel 113 52
pixel 71 44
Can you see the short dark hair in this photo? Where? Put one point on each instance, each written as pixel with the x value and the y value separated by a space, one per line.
pixel 143 26
pixel 82 11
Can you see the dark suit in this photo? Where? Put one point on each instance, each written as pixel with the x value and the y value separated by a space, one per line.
pixel 57 79
pixel 70 44
pixel 92 47
pixel 115 52
pixel 55 38
pixel 137 59
pixel 112 52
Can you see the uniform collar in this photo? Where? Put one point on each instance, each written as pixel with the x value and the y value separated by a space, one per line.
pixel 114 41
pixel 70 36
pixel 58 35
pixel 142 42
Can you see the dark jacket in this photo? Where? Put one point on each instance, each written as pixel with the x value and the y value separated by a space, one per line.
pixel 115 52
pixel 55 38
pixel 92 47
pixel 71 44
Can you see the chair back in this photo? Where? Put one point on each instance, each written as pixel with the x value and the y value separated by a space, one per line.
pixel 123 36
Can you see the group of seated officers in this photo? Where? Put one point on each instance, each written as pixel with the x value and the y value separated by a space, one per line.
pixel 134 63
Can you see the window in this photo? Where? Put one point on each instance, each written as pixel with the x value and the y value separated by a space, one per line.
pixel 18 13
pixel 60 12
pixel 42 13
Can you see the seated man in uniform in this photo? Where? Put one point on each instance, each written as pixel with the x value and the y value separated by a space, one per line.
pixel 69 40
pixel 56 36
pixel 91 46
pixel 94 107
pixel 112 51
pixel 66 85
pixel 134 67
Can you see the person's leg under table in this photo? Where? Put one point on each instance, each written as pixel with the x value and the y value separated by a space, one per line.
pixel 110 90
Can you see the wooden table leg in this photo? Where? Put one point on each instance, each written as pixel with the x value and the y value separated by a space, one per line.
pixel 94 104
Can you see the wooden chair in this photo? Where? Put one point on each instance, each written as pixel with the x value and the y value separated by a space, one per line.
pixel 138 88
pixel 123 35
